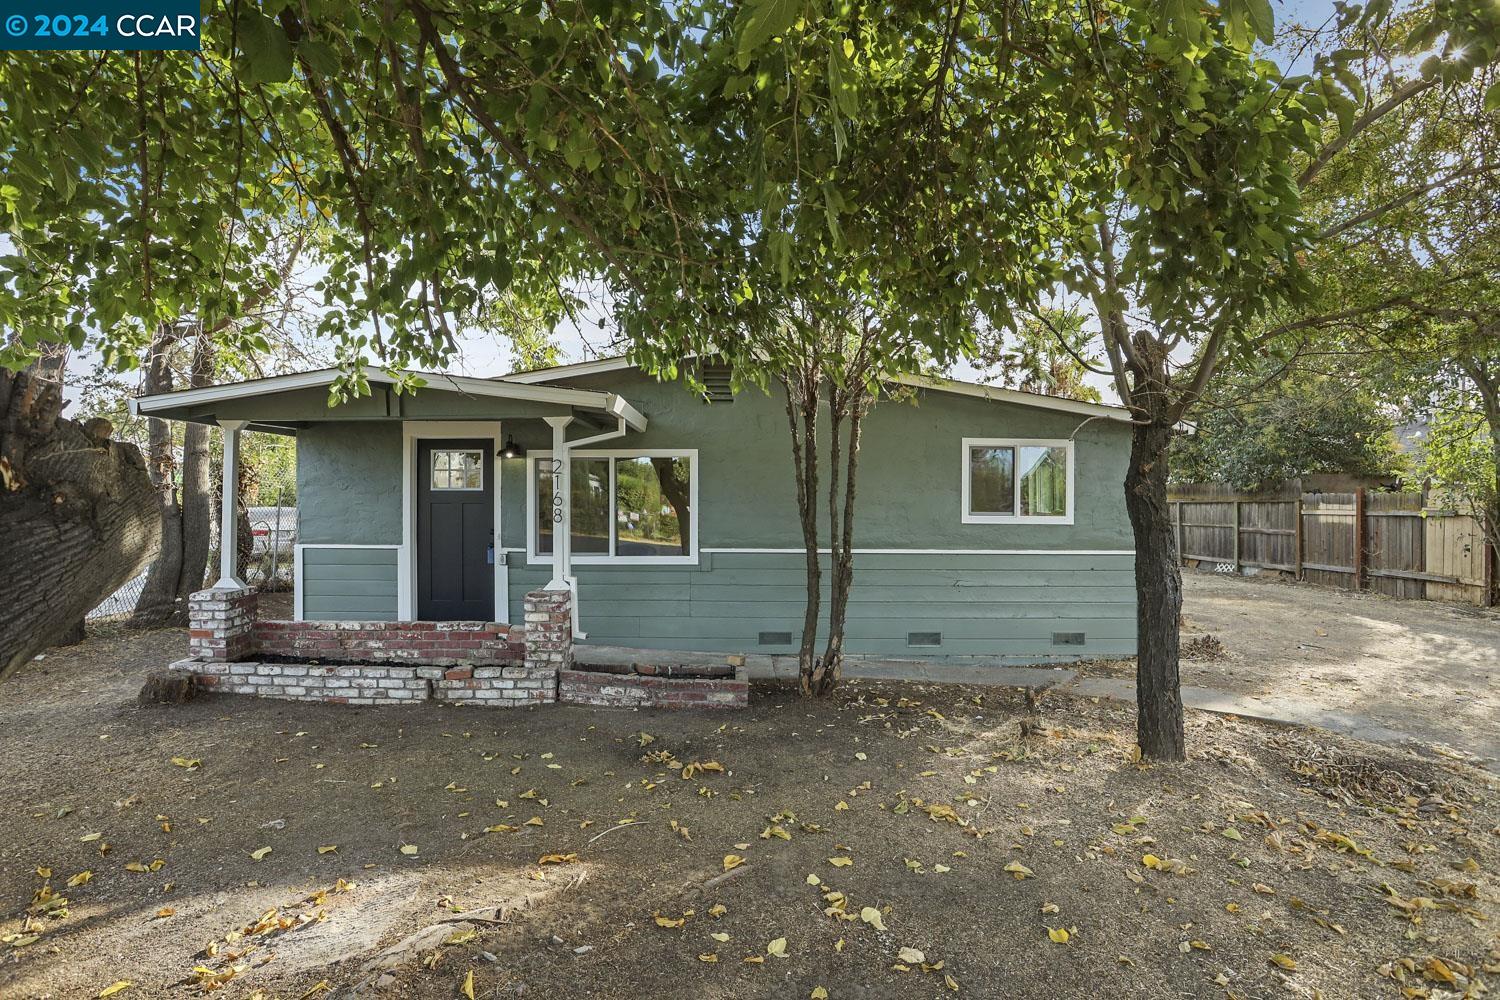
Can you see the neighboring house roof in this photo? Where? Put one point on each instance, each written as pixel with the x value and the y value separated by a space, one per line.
pixel 587 399
pixel 619 363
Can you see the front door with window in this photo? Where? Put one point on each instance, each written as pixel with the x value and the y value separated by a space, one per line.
pixel 455 530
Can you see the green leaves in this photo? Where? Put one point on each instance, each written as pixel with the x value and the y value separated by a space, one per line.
pixel 1250 19
pixel 265 51
pixel 763 20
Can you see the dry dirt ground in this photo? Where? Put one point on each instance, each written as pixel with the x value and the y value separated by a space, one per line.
pixel 1424 668
pixel 276 849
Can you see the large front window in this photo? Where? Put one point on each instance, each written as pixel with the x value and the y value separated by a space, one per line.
pixel 625 506
pixel 1017 481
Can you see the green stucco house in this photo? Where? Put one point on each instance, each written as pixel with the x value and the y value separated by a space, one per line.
pixel 990 523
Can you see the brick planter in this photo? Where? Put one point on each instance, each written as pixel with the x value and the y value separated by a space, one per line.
pixel 655 687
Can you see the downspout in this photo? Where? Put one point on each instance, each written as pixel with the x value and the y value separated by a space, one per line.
pixel 562 541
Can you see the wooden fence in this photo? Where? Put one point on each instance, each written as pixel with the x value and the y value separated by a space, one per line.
pixel 1383 542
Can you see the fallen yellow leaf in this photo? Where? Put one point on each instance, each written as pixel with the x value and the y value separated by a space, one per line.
pixel 732 861
pixel 468 986
pixel 255 855
pixel 841 862
pixel 777 948
pixel 1059 935
pixel 871 916
pixel 113 988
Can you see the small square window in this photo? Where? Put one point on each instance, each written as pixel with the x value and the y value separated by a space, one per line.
pixel 458 469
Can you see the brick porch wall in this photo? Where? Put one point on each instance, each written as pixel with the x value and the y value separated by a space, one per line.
pixel 430 643
pixel 219 623
pixel 404 663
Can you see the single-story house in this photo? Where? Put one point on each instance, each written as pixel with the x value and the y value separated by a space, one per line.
pixel 990 522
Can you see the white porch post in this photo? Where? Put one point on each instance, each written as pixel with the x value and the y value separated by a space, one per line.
pixel 562 506
pixel 229 577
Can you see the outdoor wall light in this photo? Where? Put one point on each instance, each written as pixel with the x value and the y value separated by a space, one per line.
pixel 511 449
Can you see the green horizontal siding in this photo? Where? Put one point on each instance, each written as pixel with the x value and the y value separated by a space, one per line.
pixel 1005 606
pixel 349 584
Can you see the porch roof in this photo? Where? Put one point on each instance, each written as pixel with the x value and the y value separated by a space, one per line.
pixel 282 403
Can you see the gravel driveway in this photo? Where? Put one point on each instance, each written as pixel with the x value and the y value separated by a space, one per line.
pixel 1421 667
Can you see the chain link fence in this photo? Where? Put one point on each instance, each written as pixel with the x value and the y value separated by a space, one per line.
pixel 268 490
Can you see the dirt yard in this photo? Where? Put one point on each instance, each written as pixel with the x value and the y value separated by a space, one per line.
pixel 1428 668
pixel 278 850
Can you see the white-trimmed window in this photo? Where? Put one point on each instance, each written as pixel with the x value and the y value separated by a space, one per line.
pixel 628 506
pixel 1017 481
pixel 457 469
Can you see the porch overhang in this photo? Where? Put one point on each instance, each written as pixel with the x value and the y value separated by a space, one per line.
pixel 283 403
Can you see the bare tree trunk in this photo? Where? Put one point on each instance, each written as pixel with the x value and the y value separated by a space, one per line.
pixel 186 513
pixel 197 495
pixel 1158 585
pixel 847 405
pixel 77 512
pixel 157 604
pixel 802 419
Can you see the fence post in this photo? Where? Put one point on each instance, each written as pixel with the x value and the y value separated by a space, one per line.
pixel 1297 544
pixel 1490 558
pixel 1359 539
pixel 1236 537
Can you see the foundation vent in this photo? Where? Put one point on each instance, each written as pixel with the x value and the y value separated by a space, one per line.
pixel 776 638
pixel 1068 638
pixel 924 638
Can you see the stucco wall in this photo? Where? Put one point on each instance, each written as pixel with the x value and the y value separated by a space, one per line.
pixel 349 483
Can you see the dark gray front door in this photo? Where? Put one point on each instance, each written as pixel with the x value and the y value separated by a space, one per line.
pixel 455 530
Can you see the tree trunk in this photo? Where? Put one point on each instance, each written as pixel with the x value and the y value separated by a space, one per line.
pixel 802 420
pixel 1158 585
pixel 157 604
pixel 829 669
pixel 77 511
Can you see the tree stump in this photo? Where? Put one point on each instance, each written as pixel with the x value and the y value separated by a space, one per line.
pixel 169 687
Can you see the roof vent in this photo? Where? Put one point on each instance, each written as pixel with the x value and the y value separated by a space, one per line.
pixel 776 638
pixel 716 383
pixel 924 638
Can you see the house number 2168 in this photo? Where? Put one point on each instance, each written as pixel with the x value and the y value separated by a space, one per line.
pixel 557 493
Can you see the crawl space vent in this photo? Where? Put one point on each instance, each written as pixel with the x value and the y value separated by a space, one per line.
pixel 776 638
pixel 1067 638
pixel 924 638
